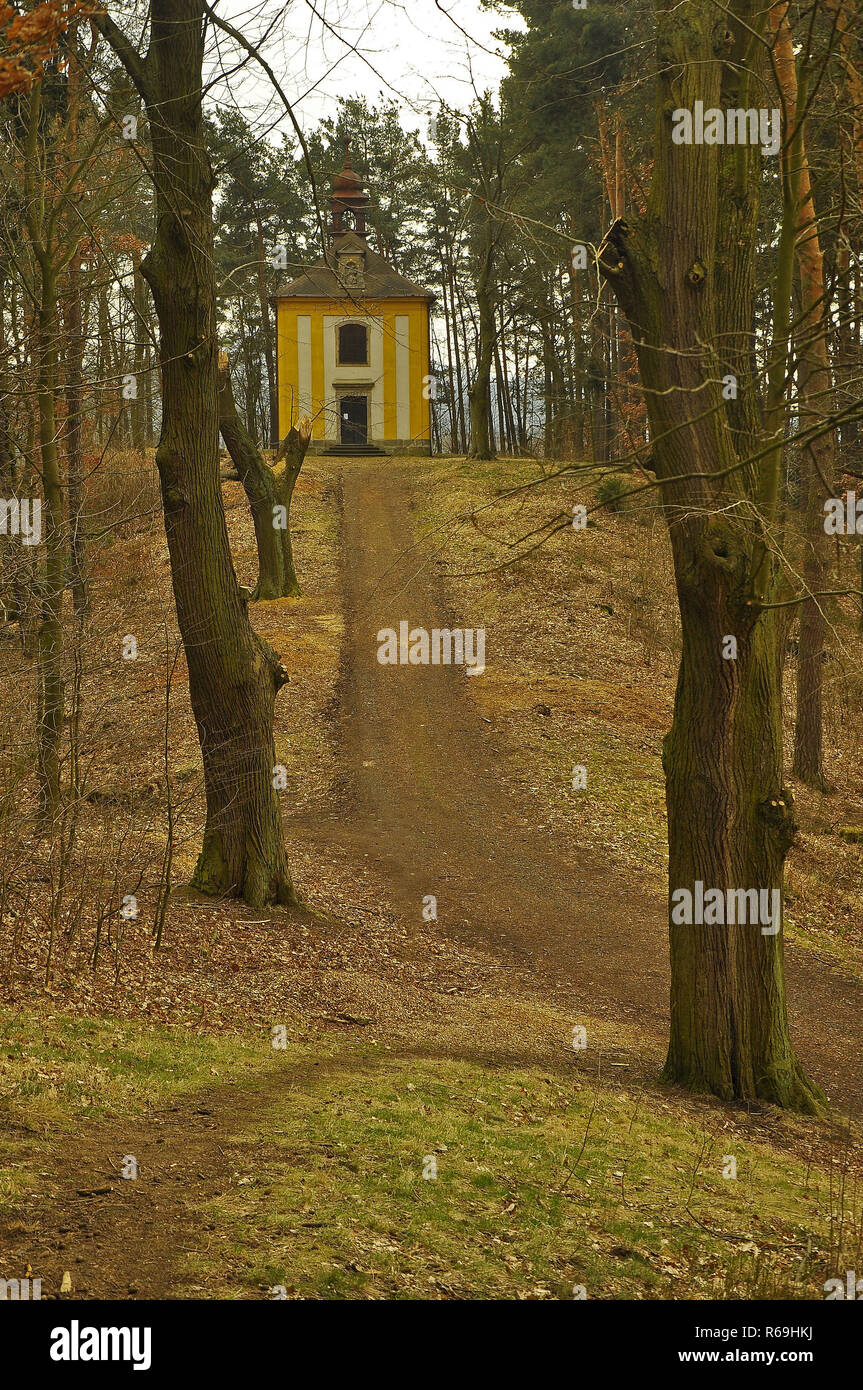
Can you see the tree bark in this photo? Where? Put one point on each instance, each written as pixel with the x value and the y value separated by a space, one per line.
pixel 292 451
pixel 233 675
pixel 816 389
pixel 479 393
pixel 10 569
pixel 461 442
pixel 267 333
pixel 267 489
pixel 138 413
pixel 730 817
pixel 51 685
pixel 74 441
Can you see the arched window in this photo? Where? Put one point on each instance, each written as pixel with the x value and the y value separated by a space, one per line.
pixel 353 344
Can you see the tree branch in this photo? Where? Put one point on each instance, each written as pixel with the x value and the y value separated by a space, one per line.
pixel 134 63
pixel 256 54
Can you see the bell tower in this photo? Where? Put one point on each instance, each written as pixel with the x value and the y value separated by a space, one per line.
pixel 348 230
pixel 349 201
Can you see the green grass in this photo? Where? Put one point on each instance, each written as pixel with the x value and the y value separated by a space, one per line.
pixel 543 1182
pixel 56 1069
pixel 539 1188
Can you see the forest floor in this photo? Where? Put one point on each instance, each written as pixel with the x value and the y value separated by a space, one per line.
pixel 414 1045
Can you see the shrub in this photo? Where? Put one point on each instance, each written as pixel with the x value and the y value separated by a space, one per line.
pixel 611 492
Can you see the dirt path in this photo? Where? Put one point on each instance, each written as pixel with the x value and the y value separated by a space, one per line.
pixel 425 803
pixel 425 768
pixel 424 765
pixel 129 1238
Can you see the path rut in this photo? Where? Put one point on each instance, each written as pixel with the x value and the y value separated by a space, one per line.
pixel 432 803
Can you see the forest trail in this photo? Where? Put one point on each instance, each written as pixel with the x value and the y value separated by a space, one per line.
pixel 424 804
pixel 424 767
pixel 430 802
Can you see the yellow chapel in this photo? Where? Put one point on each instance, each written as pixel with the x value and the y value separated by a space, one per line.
pixel 353 345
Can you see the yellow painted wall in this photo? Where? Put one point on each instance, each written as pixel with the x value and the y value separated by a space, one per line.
pixel 389 374
pixel 416 311
pixel 319 395
pixel 286 351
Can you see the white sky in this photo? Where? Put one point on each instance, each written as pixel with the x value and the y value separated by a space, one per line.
pixel 411 50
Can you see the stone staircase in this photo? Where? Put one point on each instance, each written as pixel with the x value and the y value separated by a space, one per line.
pixel 353 450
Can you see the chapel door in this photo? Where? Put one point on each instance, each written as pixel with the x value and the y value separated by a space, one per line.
pixel 354 411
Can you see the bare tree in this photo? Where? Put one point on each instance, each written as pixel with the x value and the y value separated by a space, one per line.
pixel 234 676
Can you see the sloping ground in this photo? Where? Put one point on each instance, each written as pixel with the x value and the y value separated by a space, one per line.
pixel 585 641
pixel 448 797
pixel 343 1169
pixel 555 1166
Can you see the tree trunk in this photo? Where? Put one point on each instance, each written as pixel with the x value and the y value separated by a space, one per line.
pixel 506 390
pixel 460 422
pixel 49 680
pixel 233 675
pixel 465 352
pixel 267 489
pixel 10 549
pixel 479 394
pixel 138 413
pixel 51 687
pixel 578 361
pixel 547 401
pixel 292 451
pixel 730 818
pixel 730 825
pixel 816 388
pixel 267 335
pixel 808 761
pixel 558 392
pixel 74 442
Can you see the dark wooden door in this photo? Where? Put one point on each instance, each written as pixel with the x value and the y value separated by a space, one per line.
pixel 355 419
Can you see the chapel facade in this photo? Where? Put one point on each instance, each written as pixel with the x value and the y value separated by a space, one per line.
pixel 353 342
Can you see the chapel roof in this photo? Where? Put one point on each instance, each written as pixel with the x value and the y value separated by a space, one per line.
pixel 321 280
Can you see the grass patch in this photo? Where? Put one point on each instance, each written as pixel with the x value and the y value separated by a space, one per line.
pixel 545 1182
pixel 539 1190
pixel 57 1069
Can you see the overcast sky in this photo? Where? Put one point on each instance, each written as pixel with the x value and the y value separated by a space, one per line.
pixel 412 50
